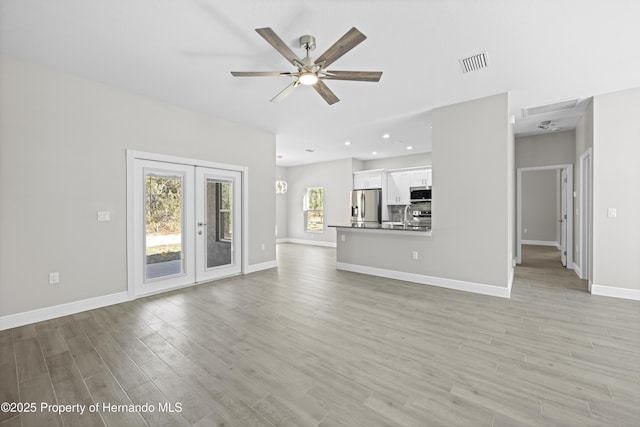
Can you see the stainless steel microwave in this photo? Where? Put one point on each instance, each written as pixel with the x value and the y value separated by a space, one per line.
pixel 417 194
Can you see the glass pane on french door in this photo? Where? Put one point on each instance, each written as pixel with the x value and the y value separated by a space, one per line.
pixel 218 223
pixel 162 226
pixel 219 226
pixel 163 213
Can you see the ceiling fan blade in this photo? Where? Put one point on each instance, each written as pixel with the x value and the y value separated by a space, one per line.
pixel 351 39
pixel 274 40
pixel 325 92
pixel 285 92
pixel 361 76
pixel 261 73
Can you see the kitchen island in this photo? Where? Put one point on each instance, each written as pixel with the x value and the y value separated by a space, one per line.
pixel 410 253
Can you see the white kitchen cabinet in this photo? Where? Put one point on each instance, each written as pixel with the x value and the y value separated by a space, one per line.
pixel 367 179
pixel 421 178
pixel 398 184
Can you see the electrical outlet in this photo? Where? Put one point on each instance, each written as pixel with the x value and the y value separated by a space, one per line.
pixel 612 212
pixel 54 278
pixel 342 238
pixel 414 255
pixel 262 246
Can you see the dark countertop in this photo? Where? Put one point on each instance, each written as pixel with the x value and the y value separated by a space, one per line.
pixel 385 226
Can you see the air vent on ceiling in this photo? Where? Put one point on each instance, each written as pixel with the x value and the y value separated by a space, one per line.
pixel 474 62
pixel 548 108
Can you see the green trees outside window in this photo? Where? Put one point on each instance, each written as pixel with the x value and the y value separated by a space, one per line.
pixel 314 209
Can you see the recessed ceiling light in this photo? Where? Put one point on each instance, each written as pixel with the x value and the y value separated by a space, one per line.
pixel 409 147
pixel 374 153
pixel 386 136
pixel 347 143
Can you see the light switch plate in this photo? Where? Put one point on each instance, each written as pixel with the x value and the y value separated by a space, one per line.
pixel 612 212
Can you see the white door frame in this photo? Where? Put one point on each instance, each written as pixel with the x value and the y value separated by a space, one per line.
pixel 569 199
pixel 586 207
pixel 562 228
pixel 131 155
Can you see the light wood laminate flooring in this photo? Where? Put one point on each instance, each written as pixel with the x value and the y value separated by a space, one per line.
pixel 308 345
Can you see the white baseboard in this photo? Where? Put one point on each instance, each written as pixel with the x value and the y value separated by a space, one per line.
pixel 47 313
pixel 612 291
pixel 459 285
pixel 262 266
pixel 540 243
pixel 309 242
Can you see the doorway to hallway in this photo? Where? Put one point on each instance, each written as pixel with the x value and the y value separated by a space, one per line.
pixel 561 225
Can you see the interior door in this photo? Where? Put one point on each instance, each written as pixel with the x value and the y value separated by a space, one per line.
pixel 563 217
pixel 218 223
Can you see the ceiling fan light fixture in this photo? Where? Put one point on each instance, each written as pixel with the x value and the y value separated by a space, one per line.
pixel 308 79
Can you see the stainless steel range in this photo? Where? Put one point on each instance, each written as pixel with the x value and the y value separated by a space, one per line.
pixel 421 212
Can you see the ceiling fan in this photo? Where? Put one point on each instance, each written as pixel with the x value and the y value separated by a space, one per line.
pixel 312 72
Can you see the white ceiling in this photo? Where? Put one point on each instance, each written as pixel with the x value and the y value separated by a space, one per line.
pixel 182 52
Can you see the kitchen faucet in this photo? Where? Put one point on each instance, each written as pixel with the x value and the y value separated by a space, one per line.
pixel 406 209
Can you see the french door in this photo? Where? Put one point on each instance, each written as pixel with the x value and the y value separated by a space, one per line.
pixel 186 223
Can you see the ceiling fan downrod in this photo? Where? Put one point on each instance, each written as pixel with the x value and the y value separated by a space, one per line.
pixel 308 43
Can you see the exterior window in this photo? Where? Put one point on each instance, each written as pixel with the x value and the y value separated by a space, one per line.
pixel 314 210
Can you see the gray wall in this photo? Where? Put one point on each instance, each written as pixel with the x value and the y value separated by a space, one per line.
pixel 616 180
pixel 62 154
pixel 282 208
pixel 556 148
pixel 336 177
pixel 473 210
pixel 412 160
pixel 540 206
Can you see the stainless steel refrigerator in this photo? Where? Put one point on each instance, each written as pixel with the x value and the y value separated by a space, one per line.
pixel 366 206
